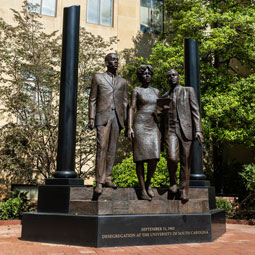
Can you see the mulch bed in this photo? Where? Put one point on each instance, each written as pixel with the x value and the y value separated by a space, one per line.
pixel 9 222
pixel 243 222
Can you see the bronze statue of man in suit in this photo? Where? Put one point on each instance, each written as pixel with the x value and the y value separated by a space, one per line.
pixel 182 124
pixel 108 113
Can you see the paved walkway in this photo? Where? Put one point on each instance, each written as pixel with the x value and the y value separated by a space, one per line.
pixel 239 239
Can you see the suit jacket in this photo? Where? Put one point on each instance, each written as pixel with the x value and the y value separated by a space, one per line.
pixel 102 94
pixel 188 112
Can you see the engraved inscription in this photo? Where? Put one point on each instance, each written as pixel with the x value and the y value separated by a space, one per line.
pixel 157 229
pixel 155 232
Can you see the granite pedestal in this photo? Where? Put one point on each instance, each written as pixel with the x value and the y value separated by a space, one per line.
pixel 75 215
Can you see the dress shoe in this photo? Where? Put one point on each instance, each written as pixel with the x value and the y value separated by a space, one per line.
pixel 184 196
pixel 173 188
pixel 99 188
pixel 150 191
pixel 182 184
pixel 145 196
pixel 110 185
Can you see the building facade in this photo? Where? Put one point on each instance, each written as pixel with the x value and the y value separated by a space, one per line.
pixel 107 18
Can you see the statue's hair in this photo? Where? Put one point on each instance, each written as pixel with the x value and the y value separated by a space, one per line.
pixel 171 71
pixel 108 56
pixel 141 69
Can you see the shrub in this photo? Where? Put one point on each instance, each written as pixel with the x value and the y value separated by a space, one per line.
pixel 124 174
pixel 161 175
pixel 246 207
pixel 224 205
pixel 248 175
pixel 14 206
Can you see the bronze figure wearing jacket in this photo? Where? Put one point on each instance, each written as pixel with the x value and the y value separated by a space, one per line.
pixel 108 113
pixel 143 129
pixel 182 124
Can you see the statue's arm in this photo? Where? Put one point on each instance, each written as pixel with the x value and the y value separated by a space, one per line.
pixel 125 103
pixel 92 102
pixel 163 104
pixel 196 116
pixel 131 113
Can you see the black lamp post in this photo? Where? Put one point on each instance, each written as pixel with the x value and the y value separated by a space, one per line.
pixel 65 173
pixel 191 64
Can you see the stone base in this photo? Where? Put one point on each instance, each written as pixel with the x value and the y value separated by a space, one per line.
pixel 126 201
pixel 130 207
pixel 205 184
pixel 123 230
pixel 64 181
pixel 83 201
pixel 199 183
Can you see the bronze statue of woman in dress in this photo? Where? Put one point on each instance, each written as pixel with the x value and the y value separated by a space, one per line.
pixel 143 129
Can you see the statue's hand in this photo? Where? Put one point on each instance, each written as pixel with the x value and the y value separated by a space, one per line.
pixel 199 137
pixel 165 109
pixel 91 124
pixel 131 134
pixel 162 110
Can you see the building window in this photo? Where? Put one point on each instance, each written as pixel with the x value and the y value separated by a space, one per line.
pixel 100 12
pixel 44 7
pixel 151 17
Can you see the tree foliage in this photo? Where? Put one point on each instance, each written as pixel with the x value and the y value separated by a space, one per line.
pixel 29 93
pixel 225 33
pixel 248 174
pixel 247 205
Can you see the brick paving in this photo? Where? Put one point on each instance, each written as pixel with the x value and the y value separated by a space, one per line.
pixel 239 239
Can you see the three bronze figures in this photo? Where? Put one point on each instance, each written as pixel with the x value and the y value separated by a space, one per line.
pixel 178 110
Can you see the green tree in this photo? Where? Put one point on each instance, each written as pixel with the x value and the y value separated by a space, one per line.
pixel 29 93
pixel 225 33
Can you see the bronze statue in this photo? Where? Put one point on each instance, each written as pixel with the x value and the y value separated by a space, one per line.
pixel 182 123
pixel 108 113
pixel 143 129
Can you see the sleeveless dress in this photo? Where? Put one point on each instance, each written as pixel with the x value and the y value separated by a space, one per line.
pixel 146 142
